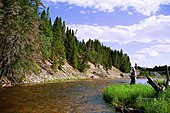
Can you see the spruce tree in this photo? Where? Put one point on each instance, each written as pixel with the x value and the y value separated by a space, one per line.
pixel 18 35
pixel 58 49
pixel 46 34
pixel 71 48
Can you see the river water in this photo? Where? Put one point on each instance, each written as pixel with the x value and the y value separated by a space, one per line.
pixel 62 97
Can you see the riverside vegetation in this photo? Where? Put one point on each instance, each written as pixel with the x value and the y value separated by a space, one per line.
pixel 139 96
pixel 30 44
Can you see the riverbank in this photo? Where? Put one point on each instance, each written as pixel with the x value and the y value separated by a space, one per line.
pixel 139 98
pixel 67 72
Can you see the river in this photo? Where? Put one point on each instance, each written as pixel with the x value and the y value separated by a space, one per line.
pixel 61 97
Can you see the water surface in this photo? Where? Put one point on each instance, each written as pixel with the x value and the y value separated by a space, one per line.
pixel 61 97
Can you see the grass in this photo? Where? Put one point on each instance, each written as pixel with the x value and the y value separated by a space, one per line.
pixel 139 97
pixel 155 105
pixel 125 94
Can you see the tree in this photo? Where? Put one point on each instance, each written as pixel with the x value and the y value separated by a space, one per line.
pixel 46 34
pixel 37 4
pixel 58 49
pixel 71 48
pixel 75 53
pixel 18 35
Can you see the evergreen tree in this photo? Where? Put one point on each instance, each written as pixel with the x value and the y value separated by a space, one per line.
pixel 125 66
pixel 71 48
pixel 75 53
pixel 58 49
pixel 97 47
pixel 46 36
pixel 18 35
pixel 83 62
pixel 82 56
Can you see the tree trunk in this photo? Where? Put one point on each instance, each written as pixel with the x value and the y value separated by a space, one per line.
pixel 158 87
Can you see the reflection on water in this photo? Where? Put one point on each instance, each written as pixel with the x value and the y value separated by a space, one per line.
pixel 62 97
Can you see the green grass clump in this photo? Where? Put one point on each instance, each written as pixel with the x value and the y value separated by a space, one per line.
pixel 166 93
pixel 139 97
pixel 155 105
pixel 126 94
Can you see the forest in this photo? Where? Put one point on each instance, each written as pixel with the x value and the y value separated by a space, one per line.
pixel 28 36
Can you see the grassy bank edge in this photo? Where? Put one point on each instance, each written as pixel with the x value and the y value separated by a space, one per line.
pixel 137 96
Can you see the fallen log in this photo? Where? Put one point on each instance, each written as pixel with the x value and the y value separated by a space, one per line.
pixel 157 86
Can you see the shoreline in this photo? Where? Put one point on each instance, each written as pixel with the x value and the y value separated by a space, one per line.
pixel 119 80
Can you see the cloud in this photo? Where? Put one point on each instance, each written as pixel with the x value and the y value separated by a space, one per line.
pixel 154 55
pixel 129 13
pixel 155 50
pixel 94 11
pixel 154 29
pixel 145 7
pixel 70 7
pixel 103 33
pixel 139 57
pixel 82 12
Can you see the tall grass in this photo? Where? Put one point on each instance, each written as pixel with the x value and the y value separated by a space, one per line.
pixel 126 94
pixel 155 105
pixel 138 96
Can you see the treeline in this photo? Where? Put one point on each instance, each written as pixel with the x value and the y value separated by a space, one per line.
pixel 26 37
pixel 65 45
pixel 160 69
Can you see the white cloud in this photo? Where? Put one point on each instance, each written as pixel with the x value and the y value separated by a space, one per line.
pixel 155 50
pixel 154 29
pixel 139 57
pixel 82 12
pixel 94 11
pixel 145 7
pixel 70 7
pixel 103 33
pixel 129 13
pixel 154 55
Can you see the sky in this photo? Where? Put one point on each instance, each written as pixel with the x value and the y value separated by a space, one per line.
pixel 141 28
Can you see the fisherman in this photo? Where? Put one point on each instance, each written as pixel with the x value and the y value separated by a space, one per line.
pixel 133 76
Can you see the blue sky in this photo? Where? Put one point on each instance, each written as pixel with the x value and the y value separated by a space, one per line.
pixel 140 27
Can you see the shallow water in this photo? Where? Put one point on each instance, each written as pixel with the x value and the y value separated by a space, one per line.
pixel 61 97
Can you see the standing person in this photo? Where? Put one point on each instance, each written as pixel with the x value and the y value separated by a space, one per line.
pixel 133 76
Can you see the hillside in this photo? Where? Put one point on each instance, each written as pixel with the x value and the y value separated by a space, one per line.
pixel 35 48
pixel 67 72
